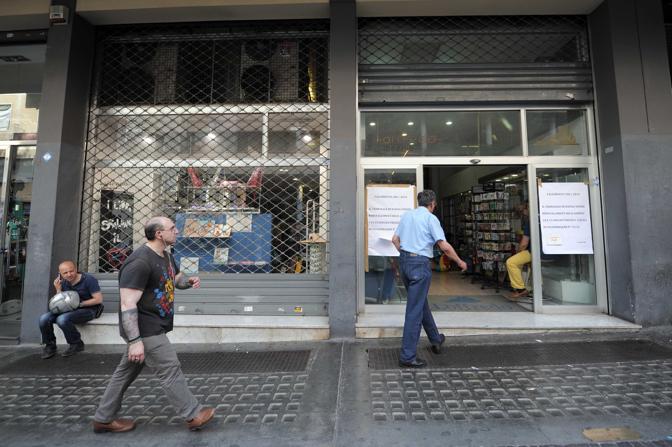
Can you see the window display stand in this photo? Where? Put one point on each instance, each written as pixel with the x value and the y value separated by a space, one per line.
pixel 494 238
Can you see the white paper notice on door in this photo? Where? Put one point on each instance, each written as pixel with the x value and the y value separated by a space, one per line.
pixel 384 206
pixel 564 215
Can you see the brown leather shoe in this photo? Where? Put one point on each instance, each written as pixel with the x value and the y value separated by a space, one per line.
pixel 116 426
pixel 203 417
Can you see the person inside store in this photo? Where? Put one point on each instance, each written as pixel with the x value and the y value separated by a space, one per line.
pixel 147 282
pixel 515 264
pixel 418 231
pixel 90 307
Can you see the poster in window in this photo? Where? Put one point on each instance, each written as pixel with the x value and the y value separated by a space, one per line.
pixel 116 229
pixel 564 217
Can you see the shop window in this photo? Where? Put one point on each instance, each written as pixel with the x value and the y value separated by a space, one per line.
pixel 557 132
pixel 223 129
pixel 5 116
pixel 456 133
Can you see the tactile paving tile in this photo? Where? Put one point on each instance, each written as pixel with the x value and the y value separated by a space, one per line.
pixel 245 398
pixel 633 388
pixel 527 354
pixel 192 363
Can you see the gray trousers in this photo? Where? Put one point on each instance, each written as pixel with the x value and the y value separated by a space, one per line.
pixel 161 357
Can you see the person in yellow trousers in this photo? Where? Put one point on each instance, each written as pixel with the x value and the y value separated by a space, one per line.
pixel 514 265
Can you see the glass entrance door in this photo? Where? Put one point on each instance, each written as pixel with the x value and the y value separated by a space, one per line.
pixel 569 262
pixel 16 189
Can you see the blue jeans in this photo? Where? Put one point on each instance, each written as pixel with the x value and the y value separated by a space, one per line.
pixel 66 322
pixel 417 275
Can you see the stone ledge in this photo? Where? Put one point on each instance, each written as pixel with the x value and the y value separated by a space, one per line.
pixel 216 329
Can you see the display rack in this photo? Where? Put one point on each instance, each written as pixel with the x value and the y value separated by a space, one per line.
pixel 494 235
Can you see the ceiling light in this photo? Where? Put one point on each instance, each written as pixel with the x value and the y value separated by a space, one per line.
pixel 449 123
pixel 410 123
pixel 148 140
pixel 514 175
pixel 404 134
pixel 295 179
pixel 372 124
pixel 211 135
pixel 307 138
pixel 507 124
pixel 412 144
pixel 505 178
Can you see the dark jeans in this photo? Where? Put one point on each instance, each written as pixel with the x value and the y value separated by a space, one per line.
pixel 417 275
pixel 66 322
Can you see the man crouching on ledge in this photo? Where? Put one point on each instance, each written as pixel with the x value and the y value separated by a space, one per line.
pixel 147 283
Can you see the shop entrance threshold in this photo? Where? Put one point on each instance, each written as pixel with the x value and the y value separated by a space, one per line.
pixel 379 324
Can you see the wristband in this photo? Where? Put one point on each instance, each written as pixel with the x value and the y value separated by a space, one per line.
pixel 136 339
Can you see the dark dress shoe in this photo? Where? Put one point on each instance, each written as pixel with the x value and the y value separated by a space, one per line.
pixel 203 417
pixel 74 349
pixel 436 348
pixel 116 426
pixel 49 351
pixel 417 363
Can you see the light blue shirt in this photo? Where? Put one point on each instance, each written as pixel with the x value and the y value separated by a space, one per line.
pixel 418 231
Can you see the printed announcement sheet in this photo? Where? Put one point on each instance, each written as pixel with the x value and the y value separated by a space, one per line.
pixel 384 206
pixel 564 212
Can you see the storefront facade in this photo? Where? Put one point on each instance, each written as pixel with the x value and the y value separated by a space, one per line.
pixel 259 138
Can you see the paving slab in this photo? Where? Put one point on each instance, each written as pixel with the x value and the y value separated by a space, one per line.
pixel 344 393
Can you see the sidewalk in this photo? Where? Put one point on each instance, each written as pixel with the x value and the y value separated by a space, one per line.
pixel 491 391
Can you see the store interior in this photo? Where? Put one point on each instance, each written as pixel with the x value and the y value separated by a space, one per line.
pixel 479 208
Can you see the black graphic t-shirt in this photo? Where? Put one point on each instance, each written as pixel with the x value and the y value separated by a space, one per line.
pixel 155 276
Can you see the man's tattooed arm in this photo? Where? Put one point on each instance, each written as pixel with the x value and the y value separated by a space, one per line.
pixel 182 282
pixel 129 321
pixel 129 313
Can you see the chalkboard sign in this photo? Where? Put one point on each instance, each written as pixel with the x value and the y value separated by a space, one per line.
pixel 116 229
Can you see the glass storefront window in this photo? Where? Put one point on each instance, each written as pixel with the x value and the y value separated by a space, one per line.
pixel 557 132
pixel 567 279
pixel 18 116
pixel 468 133
pixel 247 191
pixel 382 279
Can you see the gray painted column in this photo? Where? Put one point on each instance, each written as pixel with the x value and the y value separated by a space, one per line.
pixel 634 105
pixel 56 202
pixel 343 150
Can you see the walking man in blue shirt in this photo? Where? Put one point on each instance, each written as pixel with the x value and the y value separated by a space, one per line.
pixel 414 238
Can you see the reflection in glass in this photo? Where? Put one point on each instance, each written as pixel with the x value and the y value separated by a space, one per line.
pixel 468 133
pixel 567 279
pixel 557 132
pixel 382 280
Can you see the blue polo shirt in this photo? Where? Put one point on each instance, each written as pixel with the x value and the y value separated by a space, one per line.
pixel 418 231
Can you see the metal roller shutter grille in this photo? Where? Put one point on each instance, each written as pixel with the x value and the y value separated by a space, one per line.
pixel 494 58
pixel 224 128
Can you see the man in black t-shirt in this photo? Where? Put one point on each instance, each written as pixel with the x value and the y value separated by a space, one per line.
pixel 147 283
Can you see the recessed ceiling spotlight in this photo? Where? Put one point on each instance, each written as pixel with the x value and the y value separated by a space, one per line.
pixel 410 123
pixel 514 175
pixel 307 138
pixel 404 134
pixel 449 123
pixel 411 144
pixel 372 124
pixel 211 135
pixel 148 140
pixel 295 179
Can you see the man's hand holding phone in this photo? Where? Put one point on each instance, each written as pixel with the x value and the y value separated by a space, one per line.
pixel 57 283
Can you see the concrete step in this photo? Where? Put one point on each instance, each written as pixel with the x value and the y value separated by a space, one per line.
pixel 381 324
pixel 216 329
